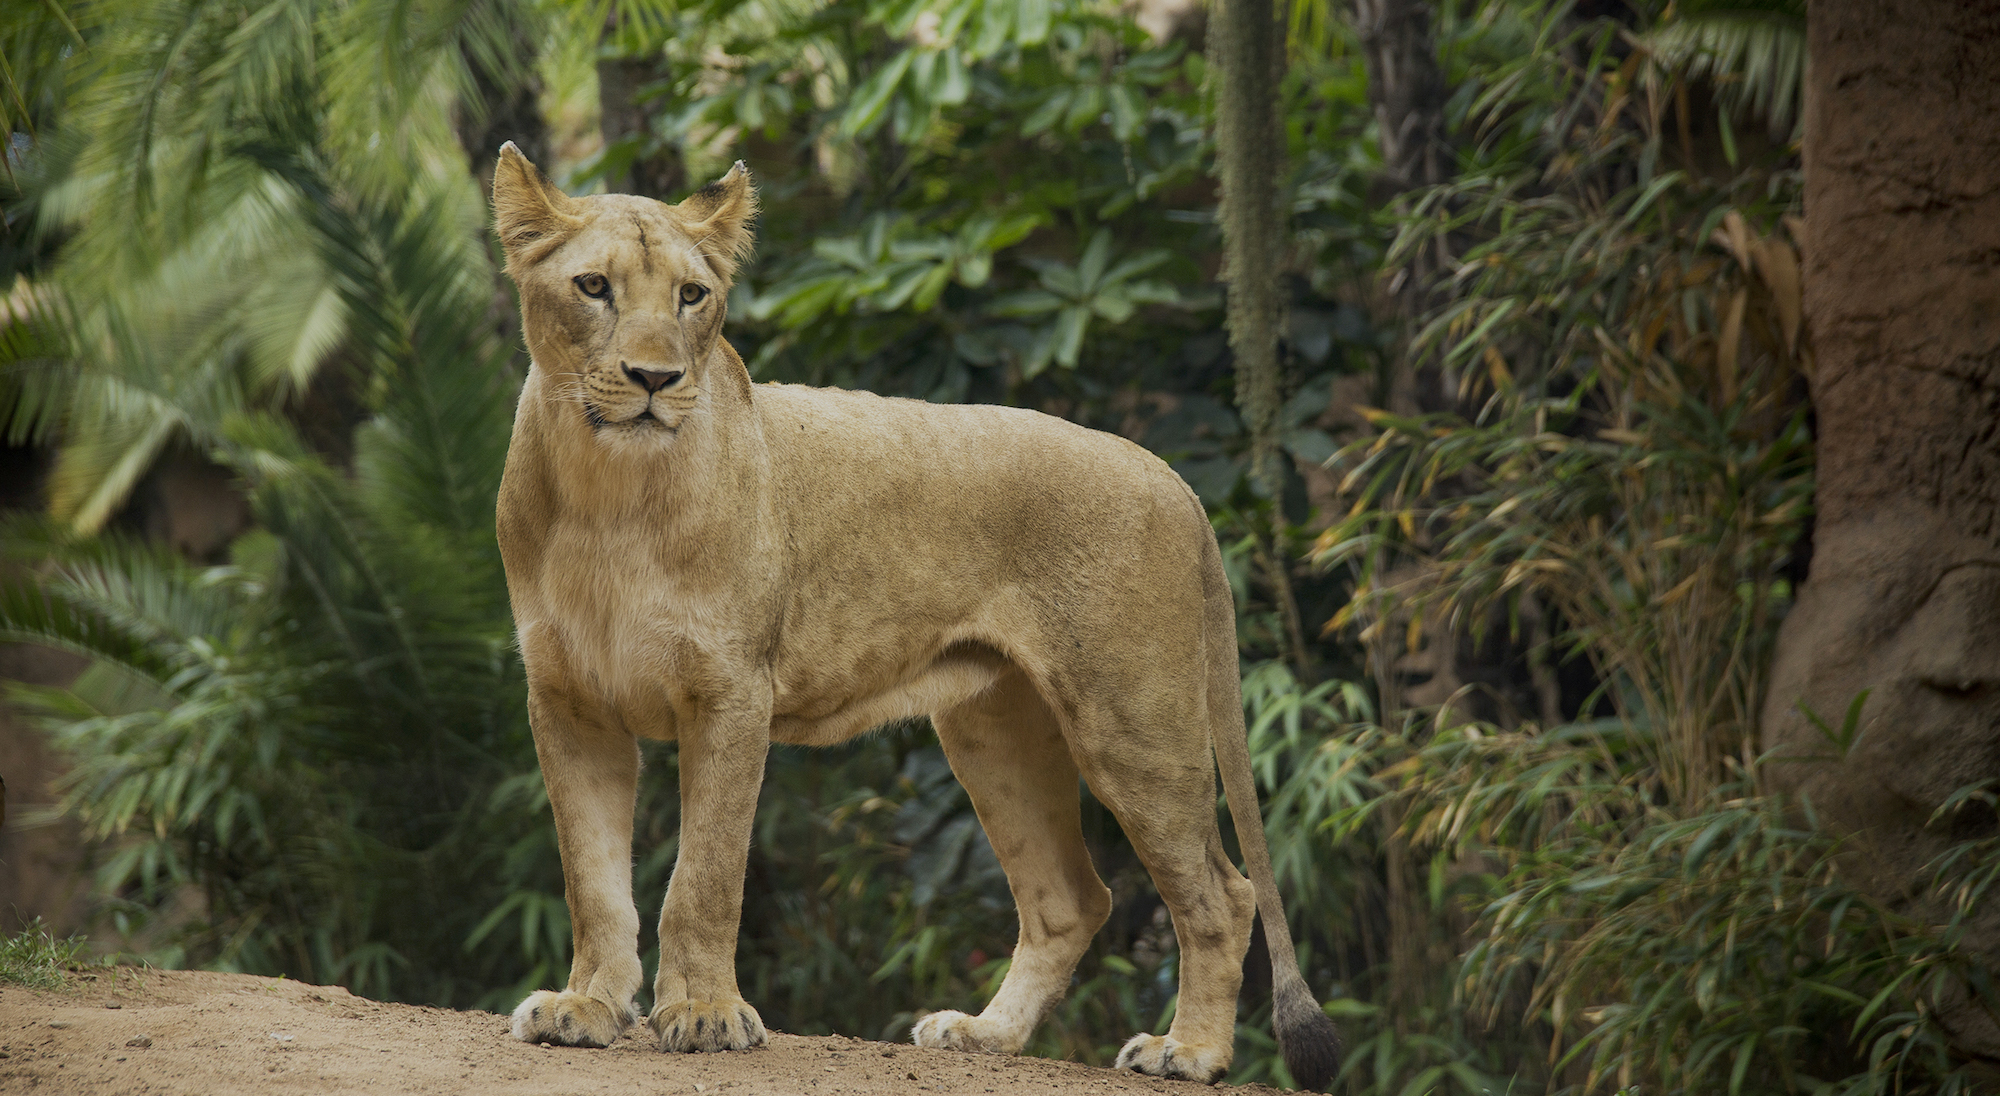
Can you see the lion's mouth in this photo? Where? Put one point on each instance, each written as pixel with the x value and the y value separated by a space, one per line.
pixel 644 420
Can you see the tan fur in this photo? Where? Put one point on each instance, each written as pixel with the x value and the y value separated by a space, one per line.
pixel 778 563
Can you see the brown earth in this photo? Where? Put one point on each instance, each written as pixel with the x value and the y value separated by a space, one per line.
pixel 127 1031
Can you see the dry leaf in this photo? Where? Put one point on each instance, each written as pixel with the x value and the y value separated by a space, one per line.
pixel 1729 343
pixel 1778 265
pixel 1735 237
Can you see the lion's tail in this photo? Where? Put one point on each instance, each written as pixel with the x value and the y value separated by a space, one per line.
pixel 1307 1039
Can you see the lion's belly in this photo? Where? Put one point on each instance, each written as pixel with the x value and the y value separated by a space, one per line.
pixel 642 662
pixel 824 718
pixel 649 653
pixel 877 646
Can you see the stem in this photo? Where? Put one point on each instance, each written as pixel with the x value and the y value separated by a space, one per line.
pixel 1248 49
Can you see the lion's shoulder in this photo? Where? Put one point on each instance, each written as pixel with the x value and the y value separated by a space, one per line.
pixel 840 455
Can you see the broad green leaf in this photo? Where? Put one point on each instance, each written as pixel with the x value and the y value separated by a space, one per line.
pixel 1071 323
pixel 1032 21
pixel 1029 302
pixel 872 99
pixel 1090 268
pixel 1047 115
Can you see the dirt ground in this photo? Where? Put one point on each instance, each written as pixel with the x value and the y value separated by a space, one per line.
pixel 127 1031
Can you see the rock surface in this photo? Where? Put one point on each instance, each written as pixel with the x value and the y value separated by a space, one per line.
pixel 1902 178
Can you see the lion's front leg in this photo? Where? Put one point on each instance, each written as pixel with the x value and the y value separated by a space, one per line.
pixel 696 1003
pixel 592 770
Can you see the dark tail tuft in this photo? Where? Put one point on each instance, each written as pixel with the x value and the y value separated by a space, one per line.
pixel 1308 1040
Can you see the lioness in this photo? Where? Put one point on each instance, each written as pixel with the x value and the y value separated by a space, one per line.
pixel 695 558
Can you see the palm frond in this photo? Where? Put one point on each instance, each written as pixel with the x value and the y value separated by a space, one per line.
pixel 37 383
pixel 119 602
pixel 1753 53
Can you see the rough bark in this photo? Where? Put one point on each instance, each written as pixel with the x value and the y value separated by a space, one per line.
pixel 505 110
pixel 1902 172
pixel 1407 90
pixel 657 171
pixel 1247 44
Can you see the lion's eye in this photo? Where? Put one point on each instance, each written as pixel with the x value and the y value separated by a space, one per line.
pixel 692 293
pixel 594 286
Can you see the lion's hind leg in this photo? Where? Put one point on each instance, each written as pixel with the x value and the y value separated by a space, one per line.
pixel 1008 751
pixel 1153 770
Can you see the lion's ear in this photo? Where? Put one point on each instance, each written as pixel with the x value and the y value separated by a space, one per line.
pixel 718 217
pixel 531 214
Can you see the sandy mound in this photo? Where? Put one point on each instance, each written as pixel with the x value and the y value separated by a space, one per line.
pixel 127 1031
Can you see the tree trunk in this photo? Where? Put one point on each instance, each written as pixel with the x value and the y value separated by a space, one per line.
pixel 628 62
pixel 1407 90
pixel 655 170
pixel 1902 174
pixel 505 110
pixel 502 111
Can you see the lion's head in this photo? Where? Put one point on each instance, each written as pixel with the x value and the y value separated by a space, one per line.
pixel 622 297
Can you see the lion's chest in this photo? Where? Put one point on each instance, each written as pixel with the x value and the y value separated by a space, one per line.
pixel 627 630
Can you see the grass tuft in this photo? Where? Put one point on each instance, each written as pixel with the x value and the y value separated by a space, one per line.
pixel 34 958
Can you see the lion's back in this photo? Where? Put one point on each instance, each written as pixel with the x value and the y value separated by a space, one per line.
pixel 859 451
pixel 981 494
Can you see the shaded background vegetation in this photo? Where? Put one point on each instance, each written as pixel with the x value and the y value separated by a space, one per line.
pixel 1505 620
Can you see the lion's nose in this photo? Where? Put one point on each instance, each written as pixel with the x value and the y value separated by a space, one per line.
pixel 650 379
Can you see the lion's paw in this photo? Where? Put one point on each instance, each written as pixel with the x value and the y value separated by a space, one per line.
pixel 570 1019
pixel 951 1030
pixel 1165 1056
pixel 702 1026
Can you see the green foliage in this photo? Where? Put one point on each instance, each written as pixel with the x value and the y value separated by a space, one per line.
pixel 302 739
pixel 993 167
pixel 227 181
pixel 34 958
pixel 1613 940
pixel 1627 450
pixel 1613 900
pixel 305 735
pixel 1753 52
